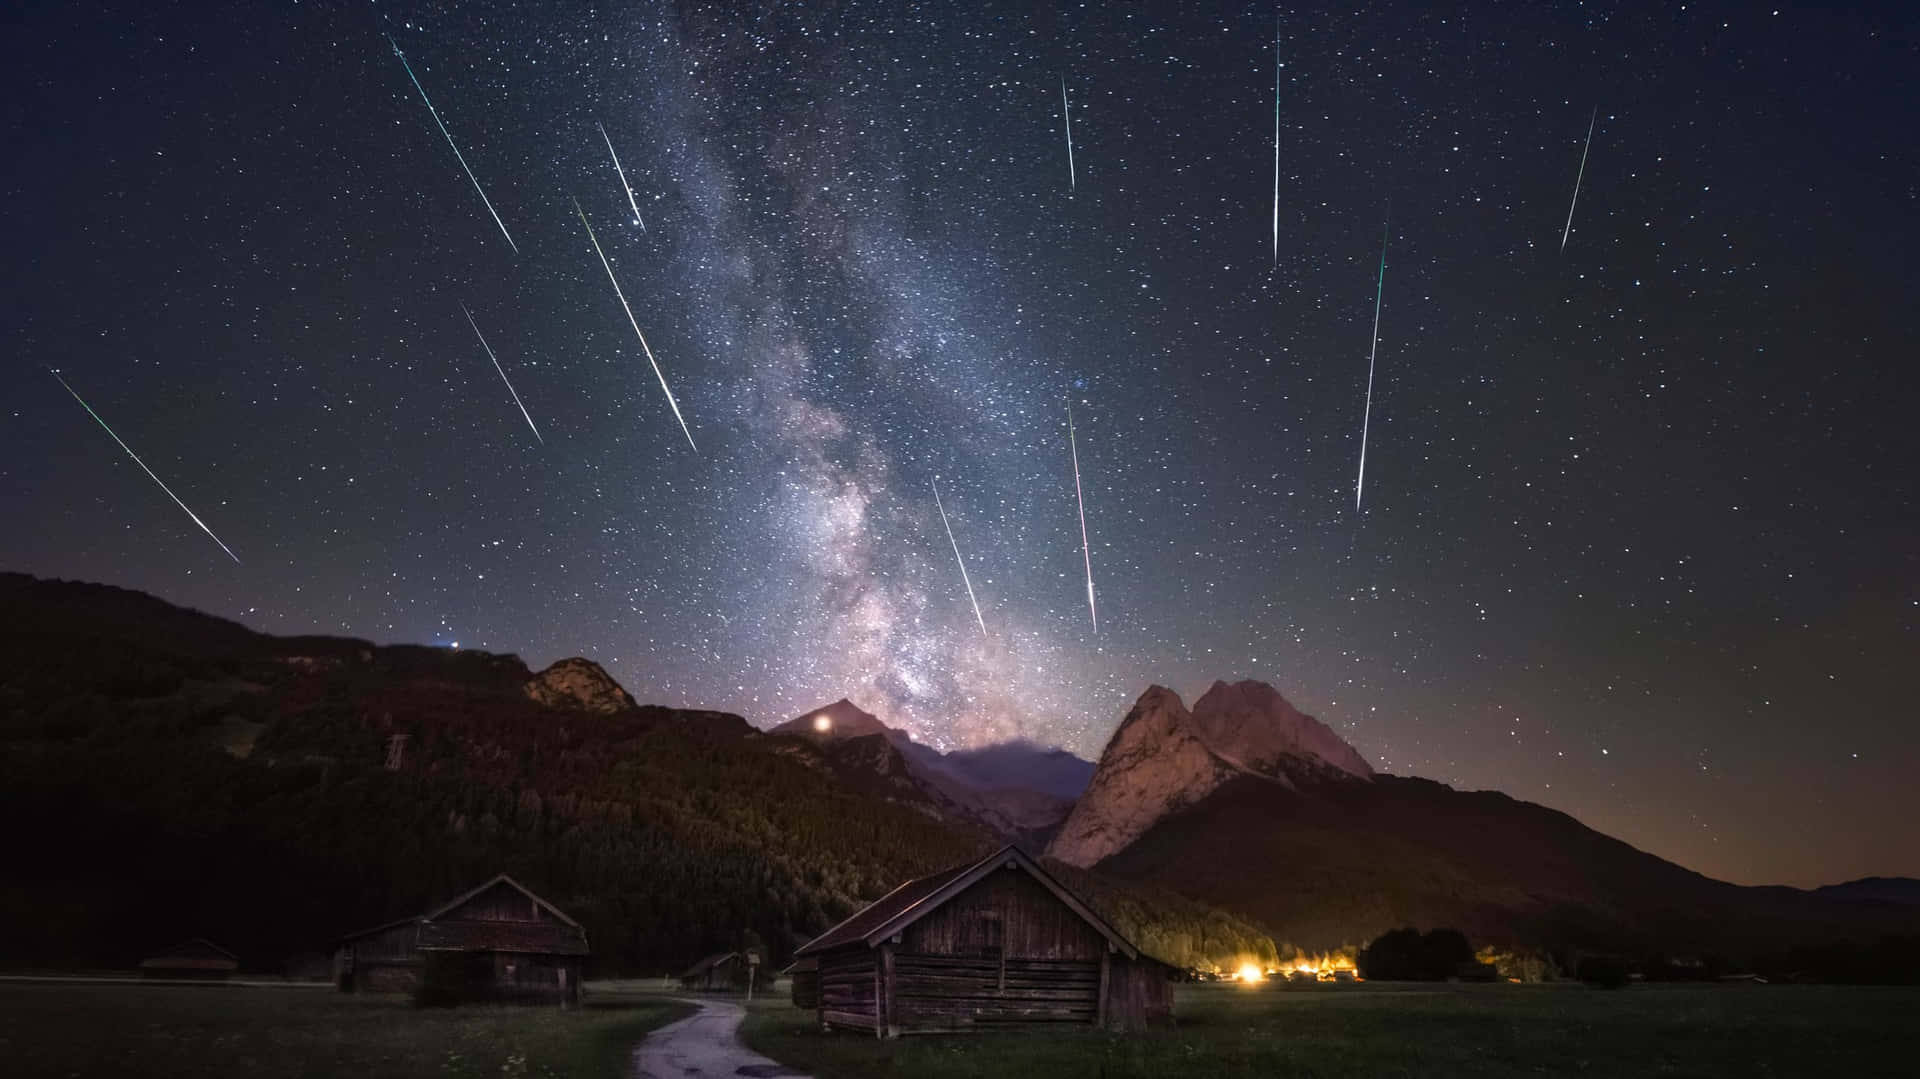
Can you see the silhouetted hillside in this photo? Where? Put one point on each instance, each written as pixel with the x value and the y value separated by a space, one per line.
pixel 166 774
pixel 1332 862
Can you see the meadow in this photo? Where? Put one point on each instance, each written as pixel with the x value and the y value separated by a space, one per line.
pixel 229 1032
pixel 1433 1030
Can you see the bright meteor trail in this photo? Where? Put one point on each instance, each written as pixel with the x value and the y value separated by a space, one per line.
pixel 1276 146
pixel 1073 182
pixel 671 403
pixel 503 373
pixel 144 468
pixel 1086 553
pixel 456 149
pixel 1366 420
pixel 956 557
pixel 623 178
pixel 1581 175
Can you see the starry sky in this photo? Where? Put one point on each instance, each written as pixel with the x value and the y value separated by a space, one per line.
pixel 1638 533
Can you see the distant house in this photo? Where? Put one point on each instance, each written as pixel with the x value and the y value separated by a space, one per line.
pixel 199 959
pixel 497 943
pixel 997 942
pixel 723 972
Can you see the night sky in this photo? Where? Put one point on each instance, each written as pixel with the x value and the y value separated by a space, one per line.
pixel 1639 530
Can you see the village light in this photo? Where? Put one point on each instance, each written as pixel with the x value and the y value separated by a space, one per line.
pixel 823 723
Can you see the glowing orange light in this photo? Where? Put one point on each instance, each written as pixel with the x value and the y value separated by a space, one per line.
pixel 1249 973
pixel 823 723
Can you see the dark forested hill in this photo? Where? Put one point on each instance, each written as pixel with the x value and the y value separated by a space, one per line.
pixel 1322 863
pixel 167 774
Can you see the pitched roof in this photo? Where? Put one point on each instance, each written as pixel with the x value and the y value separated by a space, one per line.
pixel 532 938
pixel 381 928
pixel 198 953
pixel 423 920
pixel 501 879
pixel 913 900
pixel 708 964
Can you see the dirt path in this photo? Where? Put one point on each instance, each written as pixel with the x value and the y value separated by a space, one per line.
pixel 704 1046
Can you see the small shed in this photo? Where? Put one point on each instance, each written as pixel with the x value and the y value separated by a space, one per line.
pixel 198 959
pixel 997 942
pixel 723 972
pixel 804 982
pixel 496 943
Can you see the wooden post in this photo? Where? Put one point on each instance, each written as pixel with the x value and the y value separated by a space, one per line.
pixel 1106 978
pixel 883 1001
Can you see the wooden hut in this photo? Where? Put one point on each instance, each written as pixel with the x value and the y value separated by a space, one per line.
pixel 997 942
pixel 804 983
pixel 720 973
pixel 498 942
pixel 198 959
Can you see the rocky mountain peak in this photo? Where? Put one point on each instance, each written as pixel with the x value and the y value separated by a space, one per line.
pixel 1252 725
pixel 1153 765
pixel 1163 758
pixel 839 720
pixel 579 684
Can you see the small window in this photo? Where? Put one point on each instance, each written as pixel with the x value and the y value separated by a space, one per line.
pixel 992 934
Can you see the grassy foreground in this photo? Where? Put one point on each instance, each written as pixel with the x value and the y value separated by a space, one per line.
pixel 1437 1030
pixel 222 1032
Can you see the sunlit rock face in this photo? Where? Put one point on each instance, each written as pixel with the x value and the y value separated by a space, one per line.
pixel 1252 726
pixel 1164 758
pixel 578 684
pixel 1153 765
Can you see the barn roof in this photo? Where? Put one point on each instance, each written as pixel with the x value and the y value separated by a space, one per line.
pixel 199 953
pixel 708 964
pixel 913 900
pixel 439 933
pixel 381 928
pixel 455 902
pixel 533 938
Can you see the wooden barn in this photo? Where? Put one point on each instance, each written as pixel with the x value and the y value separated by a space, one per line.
pixel 721 973
pixel 997 942
pixel 804 982
pixel 497 943
pixel 198 959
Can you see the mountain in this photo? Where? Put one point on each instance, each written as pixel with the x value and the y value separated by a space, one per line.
pixel 1154 765
pixel 1019 789
pixel 1163 758
pixel 1904 890
pixel 1023 765
pixel 166 774
pixel 840 720
pixel 579 684
pixel 1251 807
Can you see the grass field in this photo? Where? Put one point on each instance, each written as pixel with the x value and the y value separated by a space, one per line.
pixel 238 1033
pixel 1436 1030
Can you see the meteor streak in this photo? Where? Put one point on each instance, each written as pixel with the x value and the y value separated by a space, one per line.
pixel 144 468
pixel 956 557
pixel 1581 175
pixel 456 149
pixel 1085 552
pixel 623 178
pixel 1276 146
pixel 1359 482
pixel 1073 182
pixel 503 373
pixel 671 403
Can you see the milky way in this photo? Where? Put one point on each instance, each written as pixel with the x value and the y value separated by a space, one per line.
pixel 1639 533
